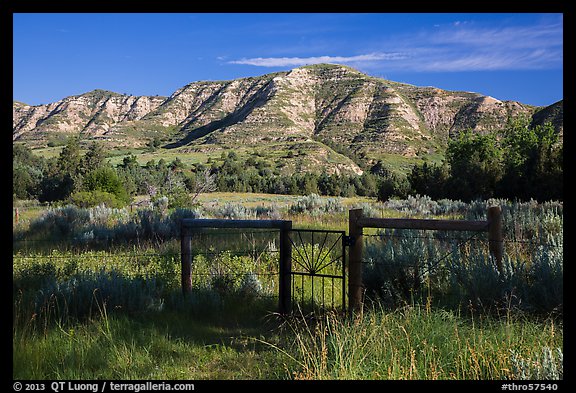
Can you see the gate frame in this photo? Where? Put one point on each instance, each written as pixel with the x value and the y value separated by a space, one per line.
pixel 357 222
pixel 188 225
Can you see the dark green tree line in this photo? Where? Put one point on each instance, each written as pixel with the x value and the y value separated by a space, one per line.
pixel 520 162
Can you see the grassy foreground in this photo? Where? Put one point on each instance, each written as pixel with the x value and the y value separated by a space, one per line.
pixel 162 345
pixel 236 343
pixel 415 343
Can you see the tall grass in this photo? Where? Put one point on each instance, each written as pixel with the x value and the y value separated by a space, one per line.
pixel 170 344
pixel 419 343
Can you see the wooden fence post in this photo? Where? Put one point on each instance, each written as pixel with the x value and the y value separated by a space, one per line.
pixel 285 279
pixel 186 259
pixel 495 235
pixel 355 231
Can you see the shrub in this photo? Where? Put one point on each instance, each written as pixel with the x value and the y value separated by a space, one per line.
pixel 424 205
pixel 105 216
pixel 396 269
pixel 545 280
pixel 86 294
pixel 250 286
pixel 94 198
pixel 316 205
pixel 33 276
pixel 238 212
pixel 106 179
pixel 548 365
pixel 102 222
pixel 477 283
pixel 67 220
pixel 271 212
pixel 403 266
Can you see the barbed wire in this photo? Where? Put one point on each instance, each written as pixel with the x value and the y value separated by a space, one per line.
pixel 84 247
pixel 447 238
pixel 158 237
pixel 51 256
pixel 433 265
pixel 146 242
pixel 96 253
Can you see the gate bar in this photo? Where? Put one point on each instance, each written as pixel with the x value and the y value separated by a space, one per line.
pixel 241 224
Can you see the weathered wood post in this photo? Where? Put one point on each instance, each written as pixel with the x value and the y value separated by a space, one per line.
pixel 355 232
pixel 496 234
pixel 285 279
pixel 186 258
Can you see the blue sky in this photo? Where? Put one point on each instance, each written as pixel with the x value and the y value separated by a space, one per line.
pixel 507 56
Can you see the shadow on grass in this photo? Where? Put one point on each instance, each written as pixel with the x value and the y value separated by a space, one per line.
pixel 188 338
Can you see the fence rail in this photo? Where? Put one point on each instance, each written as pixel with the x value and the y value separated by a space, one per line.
pixel 426 224
pixel 357 222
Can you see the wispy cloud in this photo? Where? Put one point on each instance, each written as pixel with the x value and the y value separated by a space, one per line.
pixel 471 48
pixel 509 37
pixel 300 61
pixel 458 46
pixel 492 61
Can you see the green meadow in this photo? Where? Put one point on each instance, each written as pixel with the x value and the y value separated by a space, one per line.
pixel 96 295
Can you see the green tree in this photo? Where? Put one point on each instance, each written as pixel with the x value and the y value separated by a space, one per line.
pixel 27 172
pixel 177 165
pixel 379 169
pixel 69 158
pixel 62 176
pixel 106 179
pixel 308 184
pixel 533 162
pixel 131 162
pixel 475 166
pixel 94 158
pixel 22 182
pixel 154 143
pixel 56 187
pixel 429 179
pixel 94 198
pixel 368 185
pixel 392 185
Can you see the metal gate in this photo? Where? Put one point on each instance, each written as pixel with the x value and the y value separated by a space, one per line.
pixel 318 270
pixel 312 263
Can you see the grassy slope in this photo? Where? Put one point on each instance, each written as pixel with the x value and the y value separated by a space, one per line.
pixel 288 158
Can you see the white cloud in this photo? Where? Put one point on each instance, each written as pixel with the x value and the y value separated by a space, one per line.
pixel 507 37
pixel 300 61
pixel 472 47
pixel 455 47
